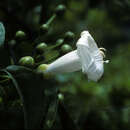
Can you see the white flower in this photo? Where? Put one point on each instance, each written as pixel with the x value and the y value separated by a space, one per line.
pixel 87 57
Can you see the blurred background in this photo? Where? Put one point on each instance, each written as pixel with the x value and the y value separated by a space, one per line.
pixel 103 105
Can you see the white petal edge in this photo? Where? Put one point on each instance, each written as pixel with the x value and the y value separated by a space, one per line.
pixel 88 41
pixel 90 57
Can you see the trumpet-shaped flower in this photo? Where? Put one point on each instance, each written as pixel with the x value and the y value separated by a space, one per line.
pixel 87 57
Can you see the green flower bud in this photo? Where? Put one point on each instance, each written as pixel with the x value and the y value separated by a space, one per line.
pixel 69 36
pixel 44 28
pixel 59 41
pixel 41 70
pixel 41 47
pixel 20 35
pixel 27 61
pixel 60 10
pixel 60 96
pixel 66 48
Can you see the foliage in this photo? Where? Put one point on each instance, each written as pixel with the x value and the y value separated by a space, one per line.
pixel 37 32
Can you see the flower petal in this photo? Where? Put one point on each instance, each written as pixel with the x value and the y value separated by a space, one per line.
pixel 90 57
pixel 67 63
pixel 87 40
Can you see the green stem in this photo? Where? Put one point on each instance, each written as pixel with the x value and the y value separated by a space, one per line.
pixel 4 80
pixel 56 45
pixel 51 19
pixel 4 76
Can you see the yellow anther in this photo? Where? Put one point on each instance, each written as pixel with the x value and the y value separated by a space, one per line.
pixel 102 49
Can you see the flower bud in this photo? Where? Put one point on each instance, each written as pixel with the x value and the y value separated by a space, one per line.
pixel 41 70
pixel 20 35
pixel 44 28
pixel 60 10
pixel 41 47
pixel 66 48
pixel 60 41
pixel 69 36
pixel 27 61
pixel 60 96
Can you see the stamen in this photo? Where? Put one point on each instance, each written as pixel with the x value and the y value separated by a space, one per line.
pixel 106 61
pixel 102 53
pixel 102 49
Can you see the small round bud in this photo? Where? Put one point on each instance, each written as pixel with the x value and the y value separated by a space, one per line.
pixel 20 35
pixel 60 96
pixel 59 41
pixel 66 48
pixel 41 47
pixel 12 43
pixel 27 61
pixel 60 10
pixel 69 36
pixel 44 28
pixel 41 70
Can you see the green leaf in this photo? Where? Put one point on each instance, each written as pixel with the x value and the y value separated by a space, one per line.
pixel 4 56
pixel 2 34
pixel 30 88
pixel 15 69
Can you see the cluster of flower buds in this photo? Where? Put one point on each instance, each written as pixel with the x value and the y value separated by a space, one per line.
pixel 29 61
pixel 87 57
